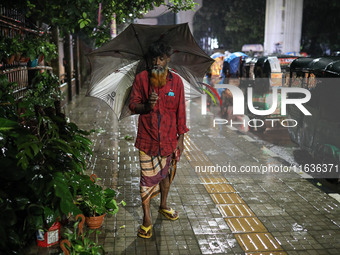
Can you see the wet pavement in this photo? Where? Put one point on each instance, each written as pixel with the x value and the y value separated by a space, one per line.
pixel 221 212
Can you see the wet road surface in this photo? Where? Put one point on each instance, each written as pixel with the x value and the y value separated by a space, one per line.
pixel 221 212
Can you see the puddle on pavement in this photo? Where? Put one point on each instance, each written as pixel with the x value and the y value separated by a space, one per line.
pixel 298 228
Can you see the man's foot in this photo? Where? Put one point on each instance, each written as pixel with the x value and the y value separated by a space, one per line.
pixel 169 213
pixel 145 232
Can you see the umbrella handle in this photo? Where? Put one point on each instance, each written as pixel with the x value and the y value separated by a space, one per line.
pixel 150 86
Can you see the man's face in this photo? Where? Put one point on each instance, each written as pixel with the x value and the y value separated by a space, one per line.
pixel 159 70
pixel 160 62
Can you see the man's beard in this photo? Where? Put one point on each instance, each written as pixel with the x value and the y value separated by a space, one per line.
pixel 158 76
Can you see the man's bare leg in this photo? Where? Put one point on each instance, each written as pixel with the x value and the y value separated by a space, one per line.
pixel 147 217
pixel 165 187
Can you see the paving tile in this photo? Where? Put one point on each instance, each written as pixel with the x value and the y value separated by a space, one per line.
pixel 235 210
pixel 226 198
pixel 267 253
pixel 254 242
pixel 267 209
pixel 214 218
pixel 299 240
pixel 256 197
pixel 284 223
pixel 219 188
pixel 245 225
pixel 224 244
pixel 327 238
pixel 213 180
pixel 248 187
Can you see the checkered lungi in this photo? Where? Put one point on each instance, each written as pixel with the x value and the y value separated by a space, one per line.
pixel 153 170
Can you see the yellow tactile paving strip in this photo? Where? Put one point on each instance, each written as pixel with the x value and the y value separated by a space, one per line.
pixel 267 253
pixel 219 188
pixel 250 233
pixel 235 210
pixel 257 242
pixel 246 225
pixel 227 198
pixel 213 180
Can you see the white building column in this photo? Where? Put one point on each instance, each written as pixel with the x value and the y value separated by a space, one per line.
pixel 283 26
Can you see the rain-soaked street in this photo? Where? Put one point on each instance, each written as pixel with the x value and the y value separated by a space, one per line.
pixel 278 141
pixel 222 209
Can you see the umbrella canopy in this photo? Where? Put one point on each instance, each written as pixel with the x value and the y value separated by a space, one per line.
pixel 217 55
pixel 234 55
pixel 115 89
pixel 125 56
pixel 234 60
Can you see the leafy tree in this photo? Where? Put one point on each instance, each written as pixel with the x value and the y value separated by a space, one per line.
pixel 245 22
pixel 233 23
pixel 73 16
pixel 320 29
pixel 209 21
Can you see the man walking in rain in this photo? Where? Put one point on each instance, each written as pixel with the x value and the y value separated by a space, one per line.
pixel 158 96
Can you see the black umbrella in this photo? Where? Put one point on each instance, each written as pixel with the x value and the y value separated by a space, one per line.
pixel 125 56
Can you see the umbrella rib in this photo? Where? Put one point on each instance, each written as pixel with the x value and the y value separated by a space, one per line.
pixel 137 37
pixel 119 51
pixel 208 58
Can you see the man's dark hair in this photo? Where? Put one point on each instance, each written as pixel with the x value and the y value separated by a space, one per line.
pixel 159 48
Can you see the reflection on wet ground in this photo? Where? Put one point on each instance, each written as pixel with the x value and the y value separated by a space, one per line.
pixel 278 141
pixel 221 212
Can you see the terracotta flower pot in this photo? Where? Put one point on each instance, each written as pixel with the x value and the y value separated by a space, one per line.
pixel 24 59
pixel 95 222
pixel 41 59
pixel 10 59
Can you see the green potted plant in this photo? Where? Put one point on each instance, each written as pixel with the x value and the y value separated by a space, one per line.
pixel 43 163
pixel 95 202
pixel 18 47
pixel 8 50
pixel 32 50
pixel 48 50
pixel 74 244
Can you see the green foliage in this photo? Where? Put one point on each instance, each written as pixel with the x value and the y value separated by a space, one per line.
pixel 233 23
pixel 84 21
pixel 95 200
pixel 245 23
pixel 100 35
pixel 8 107
pixel 31 47
pixel 49 50
pixel 320 26
pixel 18 44
pixel 42 159
pixel 44 91
pixel 177 6
pixel 10 46
pixel 34 46
pixel 83 244
pixel 73 16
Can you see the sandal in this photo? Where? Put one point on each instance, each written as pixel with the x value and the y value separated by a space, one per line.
pixel 146 229
pixel 169 214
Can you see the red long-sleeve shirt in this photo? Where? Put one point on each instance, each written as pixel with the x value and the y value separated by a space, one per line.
pixel 158 130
